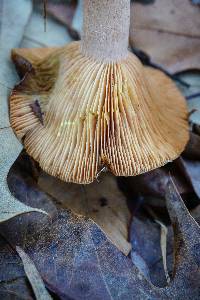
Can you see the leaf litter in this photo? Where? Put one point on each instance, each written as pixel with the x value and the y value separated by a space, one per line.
pixel 76 259
pixel 158 30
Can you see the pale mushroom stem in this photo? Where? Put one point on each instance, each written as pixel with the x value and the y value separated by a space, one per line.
pixel 106 29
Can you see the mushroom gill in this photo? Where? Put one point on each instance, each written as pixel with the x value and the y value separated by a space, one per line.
pixel 111 112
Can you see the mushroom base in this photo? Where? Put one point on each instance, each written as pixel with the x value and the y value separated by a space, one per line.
pixel 77 115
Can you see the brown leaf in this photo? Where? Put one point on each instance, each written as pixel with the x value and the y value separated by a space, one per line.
pixel 159 30
pixel 101 201
pixel 31 55
pixel 64 13
pixel 154 183
pixel 192 150
pixel 22 65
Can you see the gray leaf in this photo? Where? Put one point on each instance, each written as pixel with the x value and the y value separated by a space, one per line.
pixel 10 147
pixel 33 276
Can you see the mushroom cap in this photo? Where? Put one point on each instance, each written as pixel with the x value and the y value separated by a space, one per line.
pixel 121 115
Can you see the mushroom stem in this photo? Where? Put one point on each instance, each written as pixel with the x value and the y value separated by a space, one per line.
pixel 106 29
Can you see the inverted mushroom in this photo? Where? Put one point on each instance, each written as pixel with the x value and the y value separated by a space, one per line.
pixel 100 105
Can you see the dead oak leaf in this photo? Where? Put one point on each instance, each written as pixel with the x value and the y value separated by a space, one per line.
pixel 159 30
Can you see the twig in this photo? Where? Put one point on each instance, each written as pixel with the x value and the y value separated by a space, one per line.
pixel 192 96
pixel 74 34
pixel 104 169
pixel 192 112
pixel 45 14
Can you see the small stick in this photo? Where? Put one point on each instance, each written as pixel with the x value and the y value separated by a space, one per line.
pixel 192 112
pixel 192 96
pixel 104 169
pixel 45 14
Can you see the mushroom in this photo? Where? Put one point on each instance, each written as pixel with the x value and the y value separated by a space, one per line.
pixel 101 107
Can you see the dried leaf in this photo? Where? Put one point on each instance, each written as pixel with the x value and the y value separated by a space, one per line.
pixel 13 281
pixel 15 290
pixel 22 181
pixel 10 146
pixel 10 262
pixel 196 213
pixel 22 65
pixel 158 30
pixel 140 264
pixel 72 254
pixel 11 19
pixel 145 237
pixel 76 260
pixel 10 206
pixel 101 201
pixel 187 227
pixel 192 170
pixel 192 150
pixel 185 281
pixel 64 13
pixel 187 241
pixel 153 183
pixel 30 55
pixel 33 276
